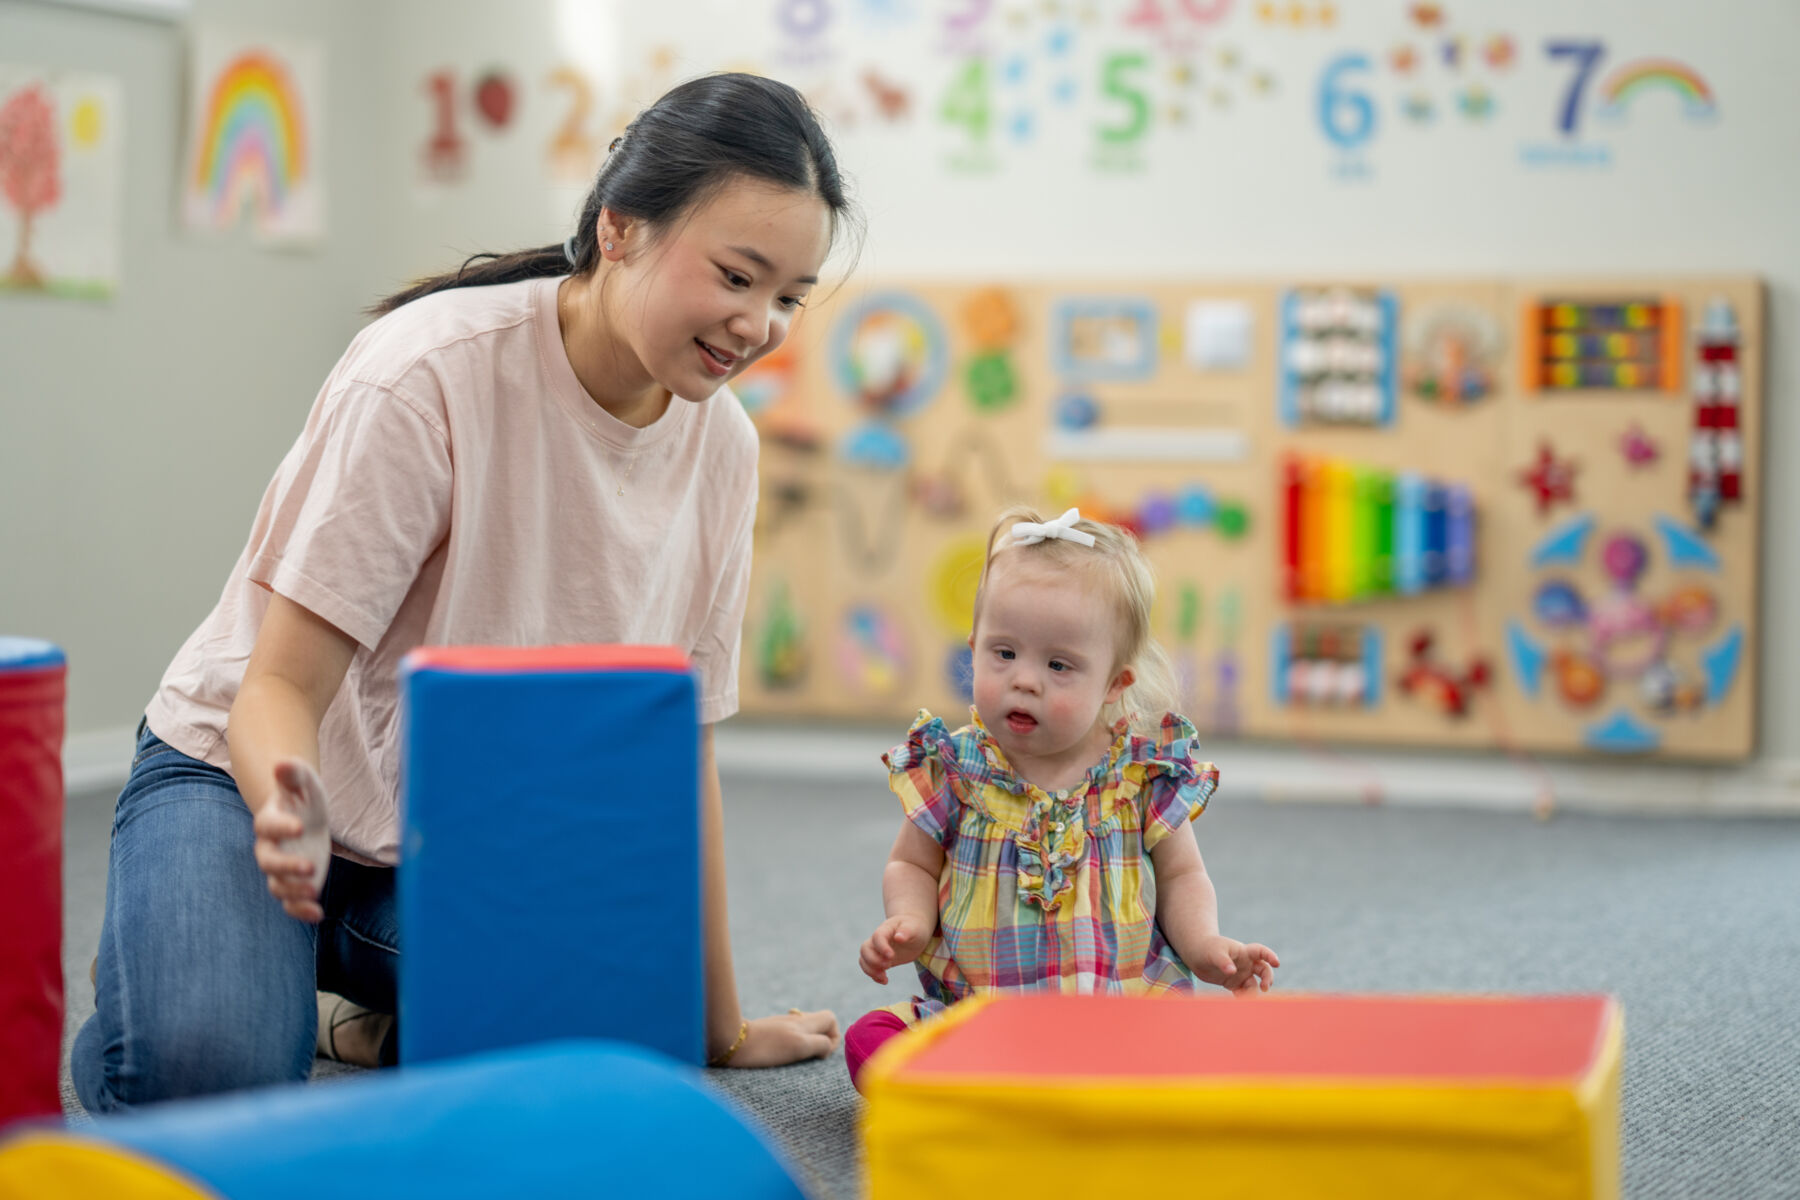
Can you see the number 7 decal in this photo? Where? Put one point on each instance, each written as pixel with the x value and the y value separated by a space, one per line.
pixel 1586 56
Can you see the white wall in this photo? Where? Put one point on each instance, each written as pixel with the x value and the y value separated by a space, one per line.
pixel 138 435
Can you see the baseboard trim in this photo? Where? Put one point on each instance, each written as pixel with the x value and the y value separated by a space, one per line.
pixel 1287 773
pixel 100 760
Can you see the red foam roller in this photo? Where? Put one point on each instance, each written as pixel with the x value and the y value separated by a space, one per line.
pixel 32 689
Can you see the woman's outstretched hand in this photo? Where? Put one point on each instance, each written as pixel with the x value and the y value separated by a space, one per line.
pixel 293 839
pixel 791 1038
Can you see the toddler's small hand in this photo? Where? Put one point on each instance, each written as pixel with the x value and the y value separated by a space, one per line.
pixel 895 941
pixel 1238 967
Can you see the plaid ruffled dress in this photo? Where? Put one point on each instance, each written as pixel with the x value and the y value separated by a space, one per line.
pixel 1046 890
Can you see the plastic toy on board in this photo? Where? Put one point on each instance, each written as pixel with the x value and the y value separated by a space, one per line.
pixel 1613 345
pixel 1337 357
pixel 1716 448
pixel 1550 479
pixel 1356 533
pixel 1451 691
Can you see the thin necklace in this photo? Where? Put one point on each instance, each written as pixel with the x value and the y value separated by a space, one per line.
pixel 630 465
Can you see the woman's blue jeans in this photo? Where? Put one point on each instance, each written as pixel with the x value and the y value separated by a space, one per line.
pixel 204 984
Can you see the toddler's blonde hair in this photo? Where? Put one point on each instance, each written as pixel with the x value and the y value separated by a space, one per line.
pixel 1117 562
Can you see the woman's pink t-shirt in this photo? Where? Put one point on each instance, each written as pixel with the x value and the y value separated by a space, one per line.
pixel 455 485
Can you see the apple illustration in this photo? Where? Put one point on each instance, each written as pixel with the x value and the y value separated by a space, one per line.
pixel 494 99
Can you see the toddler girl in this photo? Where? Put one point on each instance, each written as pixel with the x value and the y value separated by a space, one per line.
pixel 1046 844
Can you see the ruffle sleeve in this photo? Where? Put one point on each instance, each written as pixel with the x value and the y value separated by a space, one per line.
pixel 919 775
pixel 1176 786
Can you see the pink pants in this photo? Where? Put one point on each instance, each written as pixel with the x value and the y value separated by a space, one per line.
pixel 866 1037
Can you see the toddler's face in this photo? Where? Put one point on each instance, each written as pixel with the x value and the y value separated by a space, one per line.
pixel 1043 651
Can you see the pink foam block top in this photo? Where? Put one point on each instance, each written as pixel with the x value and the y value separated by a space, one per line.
pixel 1526 1038
pixel 523 659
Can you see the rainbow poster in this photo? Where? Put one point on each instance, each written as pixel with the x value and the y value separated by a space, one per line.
pixel 61 144
pixel 1625 84
pixel 255 137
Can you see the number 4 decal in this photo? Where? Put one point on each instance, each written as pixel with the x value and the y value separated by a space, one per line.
pixel 966 102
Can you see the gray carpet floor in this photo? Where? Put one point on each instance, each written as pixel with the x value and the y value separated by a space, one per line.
pixel 1694 924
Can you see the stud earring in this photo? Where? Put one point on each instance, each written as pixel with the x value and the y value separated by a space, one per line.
pixel 609 245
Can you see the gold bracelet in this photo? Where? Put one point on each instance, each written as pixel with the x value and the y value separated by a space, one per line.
pixel 743 1032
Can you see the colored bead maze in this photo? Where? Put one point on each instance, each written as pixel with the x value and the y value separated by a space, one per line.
pixel 1191 507
pixel 1622 345
pixel 1353 532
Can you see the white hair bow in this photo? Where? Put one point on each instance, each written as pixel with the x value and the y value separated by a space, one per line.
pixel 1030 533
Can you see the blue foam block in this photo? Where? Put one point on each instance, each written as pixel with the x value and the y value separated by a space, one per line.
pixel 561 1119
pixel 550 877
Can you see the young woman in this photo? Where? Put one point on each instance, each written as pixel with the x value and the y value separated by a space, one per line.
pixel 539 449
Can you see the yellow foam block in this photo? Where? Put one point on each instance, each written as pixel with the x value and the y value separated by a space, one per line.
pixel 1276 1096
pixel 58 1166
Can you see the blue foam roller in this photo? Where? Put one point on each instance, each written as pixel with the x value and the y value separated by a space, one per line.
pixel 581 1118
pixel 550 877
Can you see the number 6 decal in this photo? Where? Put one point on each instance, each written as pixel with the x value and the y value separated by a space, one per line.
pixel 1347 117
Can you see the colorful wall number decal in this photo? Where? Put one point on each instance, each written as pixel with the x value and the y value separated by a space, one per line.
pixel 574 151
pixel 1582 56
pixel 445 153
pixel 1126 101
pixel 1346 113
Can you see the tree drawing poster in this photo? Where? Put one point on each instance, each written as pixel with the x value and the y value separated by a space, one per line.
pixel 255 137
pixel 60 155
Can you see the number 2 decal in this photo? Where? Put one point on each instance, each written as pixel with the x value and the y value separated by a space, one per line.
pixel 572 151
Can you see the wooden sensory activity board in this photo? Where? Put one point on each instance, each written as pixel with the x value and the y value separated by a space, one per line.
pixel 1483 513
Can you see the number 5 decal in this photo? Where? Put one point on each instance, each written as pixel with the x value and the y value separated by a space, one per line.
pixel 1113 82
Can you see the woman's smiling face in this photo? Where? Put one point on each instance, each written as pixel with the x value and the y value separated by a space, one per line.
pixel 721 287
